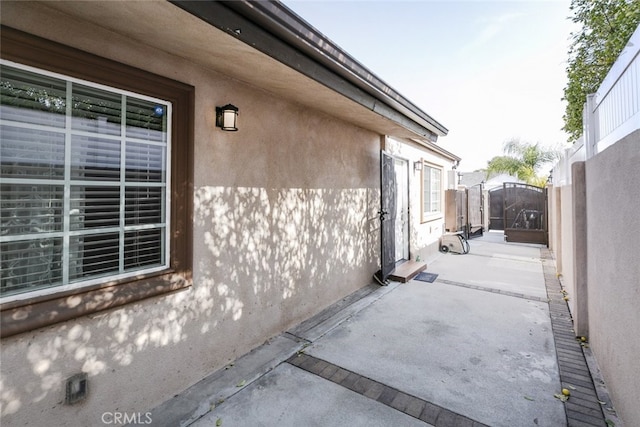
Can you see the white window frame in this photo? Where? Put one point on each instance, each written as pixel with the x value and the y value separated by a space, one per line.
pixel 66 232
pixel 433 211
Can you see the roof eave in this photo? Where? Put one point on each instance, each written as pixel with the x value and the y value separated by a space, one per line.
pixel 439 150
pixel 278 32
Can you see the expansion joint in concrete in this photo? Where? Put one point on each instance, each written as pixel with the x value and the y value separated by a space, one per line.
pixel 413 406
pixel 492 290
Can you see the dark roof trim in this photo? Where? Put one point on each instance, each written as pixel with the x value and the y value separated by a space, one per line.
pixel 277 31
pixel 437 149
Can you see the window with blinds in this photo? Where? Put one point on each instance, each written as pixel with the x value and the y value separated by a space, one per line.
pixel 84 176
pixel 431 190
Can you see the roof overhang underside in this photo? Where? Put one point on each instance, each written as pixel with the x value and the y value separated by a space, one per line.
pixel 296 61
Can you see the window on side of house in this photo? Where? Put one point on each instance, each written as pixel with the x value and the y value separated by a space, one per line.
pixel 84 172
pixel 431 192
pixel 96 177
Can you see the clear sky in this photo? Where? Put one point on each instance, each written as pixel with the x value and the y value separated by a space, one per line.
pixel 489 71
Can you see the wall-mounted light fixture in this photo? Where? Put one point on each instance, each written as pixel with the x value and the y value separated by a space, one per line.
pixel 227 117
pixel 417 166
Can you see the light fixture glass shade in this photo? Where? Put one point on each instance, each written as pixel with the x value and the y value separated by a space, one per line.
pixel 227 117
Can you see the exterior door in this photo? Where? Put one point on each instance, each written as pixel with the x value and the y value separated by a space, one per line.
pixel 388 212
pixel 525 213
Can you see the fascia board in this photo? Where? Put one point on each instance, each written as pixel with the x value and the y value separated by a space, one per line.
pixel 275 30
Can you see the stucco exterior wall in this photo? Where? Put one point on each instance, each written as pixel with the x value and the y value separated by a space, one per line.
pixel 580 297
pixel 553 210
pixel 555 224
pixel 561 232
pixel 613 270
pixel 566 244
pixel 284 224
pixel 611 181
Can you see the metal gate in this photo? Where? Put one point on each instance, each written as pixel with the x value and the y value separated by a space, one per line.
pixel 496 208
pixel 525 213
pixel 387 214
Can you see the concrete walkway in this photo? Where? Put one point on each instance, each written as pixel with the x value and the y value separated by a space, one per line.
pixel 476 347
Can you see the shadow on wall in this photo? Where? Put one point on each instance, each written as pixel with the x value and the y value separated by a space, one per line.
pixel 284 249
pixel 265 260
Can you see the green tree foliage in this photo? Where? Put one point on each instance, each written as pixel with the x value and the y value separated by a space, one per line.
pixel 523 160
pixel 606 26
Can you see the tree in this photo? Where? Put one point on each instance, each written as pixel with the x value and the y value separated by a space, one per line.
pixel 523 160
pixel 606 26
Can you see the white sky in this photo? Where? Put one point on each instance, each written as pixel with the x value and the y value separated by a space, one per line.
pixel 488 71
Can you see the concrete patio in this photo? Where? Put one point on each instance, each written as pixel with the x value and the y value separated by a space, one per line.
pixel 482 345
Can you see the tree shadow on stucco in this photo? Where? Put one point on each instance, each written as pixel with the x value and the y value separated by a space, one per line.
pixel 265 259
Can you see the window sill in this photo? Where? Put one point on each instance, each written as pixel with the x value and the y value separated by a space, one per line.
pixel 26 315
pixel 431 217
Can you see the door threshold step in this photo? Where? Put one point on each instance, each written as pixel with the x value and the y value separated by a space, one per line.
pixel 407 271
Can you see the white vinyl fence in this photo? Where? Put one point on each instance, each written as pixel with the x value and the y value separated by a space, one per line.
pixel 613 112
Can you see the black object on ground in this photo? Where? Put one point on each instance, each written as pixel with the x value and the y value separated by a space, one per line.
pixel 426 277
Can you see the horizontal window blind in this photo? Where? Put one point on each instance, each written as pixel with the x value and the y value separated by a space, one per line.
pixel 31 153
pixel 85 172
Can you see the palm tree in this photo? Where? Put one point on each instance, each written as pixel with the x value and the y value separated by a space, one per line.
pixel 523 160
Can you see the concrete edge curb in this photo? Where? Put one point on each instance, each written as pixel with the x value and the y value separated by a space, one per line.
pixel 199 399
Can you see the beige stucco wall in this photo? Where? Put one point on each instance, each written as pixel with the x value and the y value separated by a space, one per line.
pixel 580 296
pixel 613 204
pixel 555 224
pixel 560 208
pixel 552 206
pixel 566 244
pixel 612 267
pixel 284 224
